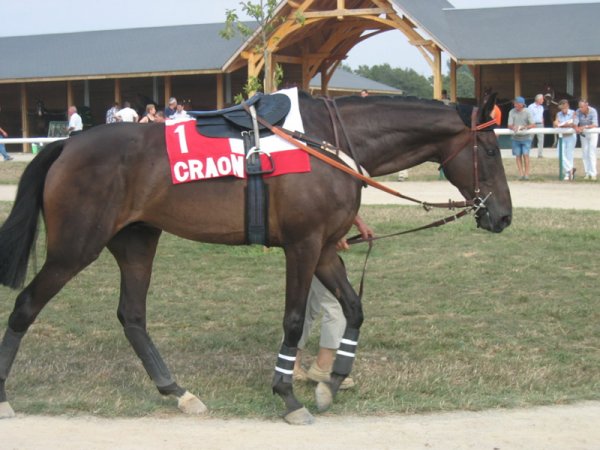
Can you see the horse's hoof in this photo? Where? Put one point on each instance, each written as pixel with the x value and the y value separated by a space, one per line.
pixel 300 417
pixel 188 403
pixel 323 396
pixel 6 411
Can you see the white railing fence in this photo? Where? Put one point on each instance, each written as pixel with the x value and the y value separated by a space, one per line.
pixel 499 132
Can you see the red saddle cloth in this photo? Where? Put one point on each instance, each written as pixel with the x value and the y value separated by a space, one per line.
pixel 194 157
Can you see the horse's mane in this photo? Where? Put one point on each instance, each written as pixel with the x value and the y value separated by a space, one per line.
pixel 464 111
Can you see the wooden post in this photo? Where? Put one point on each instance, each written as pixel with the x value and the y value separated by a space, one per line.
pixel 118 90
pixel 476 71
pixel 220 91
pixel 168 94
pixel 584 80
pixel 24 117
pixel 70 101
pixel 517 77
pixel 437 74
pixel 453 85
pixel 324 81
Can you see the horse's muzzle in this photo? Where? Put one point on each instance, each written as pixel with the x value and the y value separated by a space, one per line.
pixel 487 221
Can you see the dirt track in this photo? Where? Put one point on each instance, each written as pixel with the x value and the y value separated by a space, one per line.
pixel 572 427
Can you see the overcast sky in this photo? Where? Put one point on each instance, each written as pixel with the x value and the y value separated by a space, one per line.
pixel 25 17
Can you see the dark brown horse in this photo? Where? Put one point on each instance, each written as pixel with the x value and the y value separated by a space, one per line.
pixel 110 187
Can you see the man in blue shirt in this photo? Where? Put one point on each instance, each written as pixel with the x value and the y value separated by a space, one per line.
pixel 587 117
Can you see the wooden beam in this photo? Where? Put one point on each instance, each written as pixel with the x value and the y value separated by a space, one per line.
pixel 24 117
pixel 453 81
pixel 117 85
pixel 344 13
pixel 287 59
pixel 220 101
pixel 517 79
pixel 168 90
pixel 437 74
pixel 584 80
pixel 476 70
pixel 70 97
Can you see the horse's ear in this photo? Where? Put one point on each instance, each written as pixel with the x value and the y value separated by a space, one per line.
pixel 486 109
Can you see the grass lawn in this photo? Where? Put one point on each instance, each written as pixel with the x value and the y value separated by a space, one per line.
pixel 456 318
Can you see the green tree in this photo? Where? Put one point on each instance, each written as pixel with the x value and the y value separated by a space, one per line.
pixel 465 82
pixel 408 80
pixel 263 12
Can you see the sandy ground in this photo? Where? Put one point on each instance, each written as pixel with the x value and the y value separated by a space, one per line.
pixel 572 427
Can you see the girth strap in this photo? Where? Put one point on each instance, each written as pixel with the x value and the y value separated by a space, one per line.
pixel 257 194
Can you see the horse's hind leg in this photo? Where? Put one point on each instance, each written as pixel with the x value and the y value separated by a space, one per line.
pixel 134 248
pixel 54 274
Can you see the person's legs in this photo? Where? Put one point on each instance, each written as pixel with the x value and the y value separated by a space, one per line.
pixel 313 308
pixel 567 159
pixel 540 145
pixel 516 151
pixel 525 148
pixel 3 152
pixel 593 155
pixel 585 154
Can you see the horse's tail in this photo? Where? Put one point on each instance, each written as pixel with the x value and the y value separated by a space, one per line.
pixel 18 233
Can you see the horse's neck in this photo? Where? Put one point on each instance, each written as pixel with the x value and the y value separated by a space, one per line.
pixel 385 143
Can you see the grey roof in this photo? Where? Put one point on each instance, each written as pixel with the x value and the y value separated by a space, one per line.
pixel 429 16
pixel 508 33
pixel 468 35
pixel 525 32
pixel 344 80
pixel 138 50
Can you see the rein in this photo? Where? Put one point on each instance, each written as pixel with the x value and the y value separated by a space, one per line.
pixel 293 136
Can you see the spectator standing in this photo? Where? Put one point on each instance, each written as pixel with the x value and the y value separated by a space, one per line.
pixel 171 108
pixel 3 151
pixel 111 113
pixel 537 112
pixel 519 120
pixel 587 117
pixel 566 118
pixel 75 122
pixel 180 113
pixel 364 93
pixel 445 99
pixel 127 114
pixel 150 115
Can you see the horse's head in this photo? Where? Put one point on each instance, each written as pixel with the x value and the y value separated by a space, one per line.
pixel 482 179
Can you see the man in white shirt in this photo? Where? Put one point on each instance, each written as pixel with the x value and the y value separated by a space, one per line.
pixel 537 112
pixel 127 114
pixel 75 122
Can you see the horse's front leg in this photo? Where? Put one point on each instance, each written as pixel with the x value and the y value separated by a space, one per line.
pixel 332 273
pixel 301 260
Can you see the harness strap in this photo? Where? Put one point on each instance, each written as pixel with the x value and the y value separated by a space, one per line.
pixel 336 136
pixel 426 205
pixel 348 141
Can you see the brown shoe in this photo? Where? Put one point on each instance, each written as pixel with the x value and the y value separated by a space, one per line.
pixel 316 374
pixel 300 375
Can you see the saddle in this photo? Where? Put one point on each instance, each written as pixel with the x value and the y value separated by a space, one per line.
pixel 231 122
